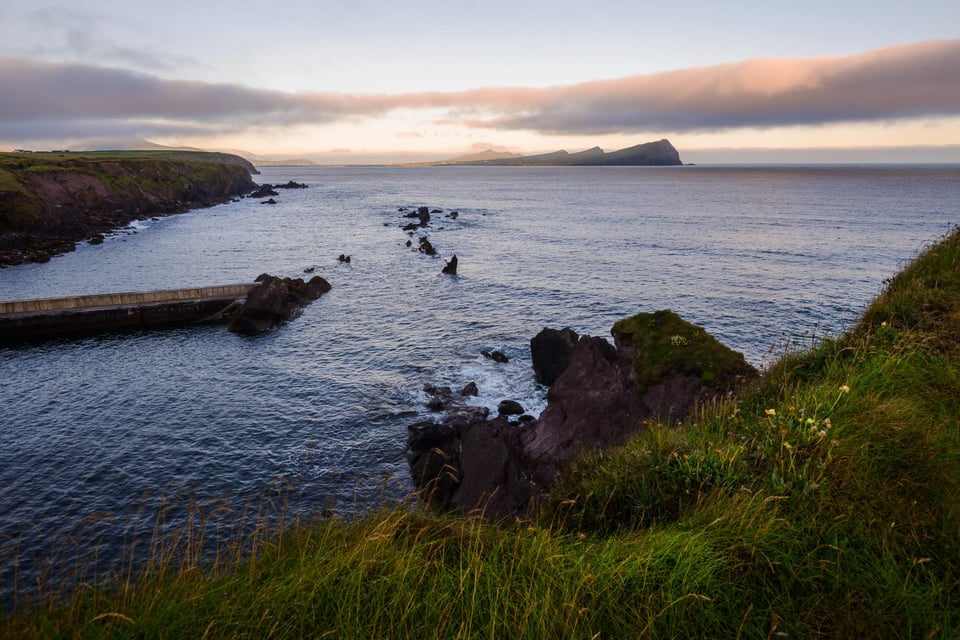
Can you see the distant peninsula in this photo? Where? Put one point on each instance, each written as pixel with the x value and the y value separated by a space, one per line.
pixel 49 201
pixel 659 153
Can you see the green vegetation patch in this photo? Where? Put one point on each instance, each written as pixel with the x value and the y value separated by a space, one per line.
pixel 666 342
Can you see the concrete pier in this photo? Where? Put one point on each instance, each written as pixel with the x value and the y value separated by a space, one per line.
pixel 48 317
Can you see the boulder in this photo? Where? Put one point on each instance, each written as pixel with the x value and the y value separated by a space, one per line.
pixel 470 389
pixel 551 351
pixel 509 408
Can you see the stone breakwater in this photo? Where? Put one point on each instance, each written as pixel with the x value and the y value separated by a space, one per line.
pixel 49 202
pixel 254 307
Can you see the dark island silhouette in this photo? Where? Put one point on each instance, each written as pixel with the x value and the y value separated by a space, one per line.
pixel 659 153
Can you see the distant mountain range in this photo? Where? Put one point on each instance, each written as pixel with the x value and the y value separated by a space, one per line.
pixel 659 153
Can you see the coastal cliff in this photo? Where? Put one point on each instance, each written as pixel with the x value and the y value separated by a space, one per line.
pixel 51 201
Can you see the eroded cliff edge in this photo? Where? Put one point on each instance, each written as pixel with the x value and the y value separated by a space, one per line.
pixel 51 201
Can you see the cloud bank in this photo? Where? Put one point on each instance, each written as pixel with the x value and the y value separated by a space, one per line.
pixel 45 100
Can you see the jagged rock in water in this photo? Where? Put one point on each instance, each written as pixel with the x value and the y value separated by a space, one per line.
pixel 495 355
pixel 263 191
pixel 274 302
pixel 426 247
pixel 451 268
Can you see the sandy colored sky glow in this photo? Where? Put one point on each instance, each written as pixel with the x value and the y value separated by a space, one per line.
pixel 373 81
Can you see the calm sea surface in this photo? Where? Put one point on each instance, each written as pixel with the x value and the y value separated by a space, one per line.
pixel 756 255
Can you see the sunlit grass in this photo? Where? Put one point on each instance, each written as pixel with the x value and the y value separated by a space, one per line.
pixel 825 502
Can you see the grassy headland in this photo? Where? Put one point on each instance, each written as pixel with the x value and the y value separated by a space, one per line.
pixel 51 200
pixel 825 502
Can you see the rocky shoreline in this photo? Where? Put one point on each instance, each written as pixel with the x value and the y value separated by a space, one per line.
pixel 50 202
pixel 660 368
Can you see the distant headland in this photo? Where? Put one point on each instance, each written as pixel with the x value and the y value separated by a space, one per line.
pixel 659 153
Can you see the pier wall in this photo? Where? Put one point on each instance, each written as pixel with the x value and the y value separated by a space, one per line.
pixel 49 317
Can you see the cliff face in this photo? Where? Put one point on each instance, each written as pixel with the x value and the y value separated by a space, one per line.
pixel 51 201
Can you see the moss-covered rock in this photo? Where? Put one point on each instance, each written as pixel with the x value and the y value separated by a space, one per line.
pixel 663 343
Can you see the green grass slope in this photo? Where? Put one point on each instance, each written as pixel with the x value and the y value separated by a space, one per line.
pixel 821 504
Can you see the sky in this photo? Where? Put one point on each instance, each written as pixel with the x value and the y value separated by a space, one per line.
pixel 387 81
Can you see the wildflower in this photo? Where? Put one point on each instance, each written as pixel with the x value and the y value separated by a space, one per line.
pixel 787 445
pixel 822 434
pixel 771 412
pixel 883 325
pixel 811 421
pixel 844 389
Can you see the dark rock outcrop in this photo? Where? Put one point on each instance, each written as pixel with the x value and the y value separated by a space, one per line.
pixel 426 247
pixel 660 367
pixel 263 191
pixel 275 302
pixel 451 268
pixel 551 351
pixel 495 355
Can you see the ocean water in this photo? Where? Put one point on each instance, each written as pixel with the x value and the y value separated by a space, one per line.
pixel 759 256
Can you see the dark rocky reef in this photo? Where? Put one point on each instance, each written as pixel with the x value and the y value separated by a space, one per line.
pixel 274 302
pixel 51 201
pixel 660 367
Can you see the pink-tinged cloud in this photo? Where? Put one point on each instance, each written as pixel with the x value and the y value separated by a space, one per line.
pixel 48 100
pixel 907 81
